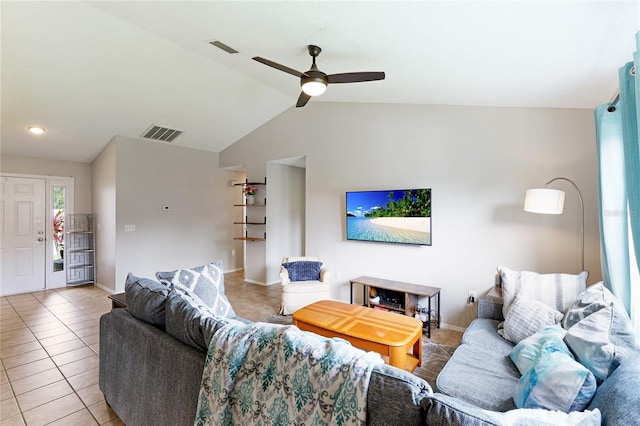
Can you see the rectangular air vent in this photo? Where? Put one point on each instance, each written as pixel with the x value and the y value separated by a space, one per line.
pixel 164 134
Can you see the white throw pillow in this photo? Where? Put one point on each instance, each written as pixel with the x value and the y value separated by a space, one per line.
pixel 526 317
pixel 555 290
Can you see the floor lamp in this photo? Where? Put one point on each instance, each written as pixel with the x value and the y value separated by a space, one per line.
pixel 551 201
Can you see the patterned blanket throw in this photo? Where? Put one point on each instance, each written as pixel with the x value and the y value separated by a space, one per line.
pixel 269 374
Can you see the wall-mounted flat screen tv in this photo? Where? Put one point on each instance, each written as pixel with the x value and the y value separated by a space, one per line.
pixel 393 216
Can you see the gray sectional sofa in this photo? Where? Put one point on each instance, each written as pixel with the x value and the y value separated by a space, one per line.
pixel 150 377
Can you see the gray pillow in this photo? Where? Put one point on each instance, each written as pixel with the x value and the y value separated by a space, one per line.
pixel 146 299
pixel 526 317
pixel 204 284
pixel 183 320
pixel 191 323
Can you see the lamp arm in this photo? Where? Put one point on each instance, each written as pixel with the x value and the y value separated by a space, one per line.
pixel 581 210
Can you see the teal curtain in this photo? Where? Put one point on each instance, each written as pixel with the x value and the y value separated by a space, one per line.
pixel 618 149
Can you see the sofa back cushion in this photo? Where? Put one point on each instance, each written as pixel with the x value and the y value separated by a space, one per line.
pixel 617 397
pixel 146 299
pixel 555 290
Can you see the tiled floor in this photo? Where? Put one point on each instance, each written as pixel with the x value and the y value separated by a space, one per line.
pixel 49 351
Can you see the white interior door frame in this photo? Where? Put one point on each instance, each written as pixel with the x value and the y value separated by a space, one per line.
pixel 52 279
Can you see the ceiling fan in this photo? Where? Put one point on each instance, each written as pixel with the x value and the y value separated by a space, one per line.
pixel 314 82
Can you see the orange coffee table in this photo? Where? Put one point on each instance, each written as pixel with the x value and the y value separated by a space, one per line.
pixel 391 335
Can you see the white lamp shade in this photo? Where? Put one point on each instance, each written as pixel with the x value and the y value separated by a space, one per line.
pixel 314 88
pixel 544 200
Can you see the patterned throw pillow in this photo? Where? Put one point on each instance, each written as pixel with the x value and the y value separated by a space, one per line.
pixel 204 284
pixel 551 378
pixel 555 290
pixel 303 270
pixel 526 317
pixel 556 382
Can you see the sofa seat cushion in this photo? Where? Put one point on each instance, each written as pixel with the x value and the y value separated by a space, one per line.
pixel 482 333
pixel 305 287
pixel 480 376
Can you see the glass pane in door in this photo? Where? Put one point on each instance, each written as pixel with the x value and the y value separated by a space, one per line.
pixel 58 198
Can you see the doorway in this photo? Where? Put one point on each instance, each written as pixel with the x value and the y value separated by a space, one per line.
pixel 32 210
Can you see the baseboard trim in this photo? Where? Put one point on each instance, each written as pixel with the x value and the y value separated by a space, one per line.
pixel 452 327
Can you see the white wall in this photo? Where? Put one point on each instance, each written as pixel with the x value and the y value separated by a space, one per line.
pixel 197 230
pixel 478 161
pixel 103 178
pixel 81 173
pixel 285 216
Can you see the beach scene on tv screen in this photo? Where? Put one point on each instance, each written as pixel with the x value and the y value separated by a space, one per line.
pixel 395 216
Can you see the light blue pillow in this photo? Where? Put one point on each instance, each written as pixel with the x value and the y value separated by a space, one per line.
pixel 303 270
pixel 556 382
pixel 547 340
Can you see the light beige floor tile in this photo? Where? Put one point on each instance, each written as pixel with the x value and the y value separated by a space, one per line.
pixel 35 381
pixel 77 319
pixel 114 422
pixel 63 308
pixel 102 412
pixel 38 321
pixel 84 380
pixel 44 394
pixel 3 377
pixel 79 418
pixel 96 348
pixel 83 324
pixel 13 421
pixel 46 326
pixel 5 391
pixel 60 338
pixel 53 410
pixel 15 335
pixel 8 408
pixel 65 347
pixel 91 395
pixel 91 339
pixel 24 358
pixel 71 356
pixel 56 331
pixel 19 349
pixel 87 331
pixel 11 326
pixel 80 366
pixel 30 369
pixel 24 338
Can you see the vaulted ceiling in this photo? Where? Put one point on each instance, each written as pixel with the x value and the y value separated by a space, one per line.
pixel 90 70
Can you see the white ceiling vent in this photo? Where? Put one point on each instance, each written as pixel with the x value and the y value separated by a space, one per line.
pixel 164 134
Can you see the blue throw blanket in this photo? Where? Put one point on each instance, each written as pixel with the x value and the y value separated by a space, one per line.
pixel 268 374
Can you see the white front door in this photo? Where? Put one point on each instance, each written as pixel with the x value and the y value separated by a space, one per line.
pixel 23 235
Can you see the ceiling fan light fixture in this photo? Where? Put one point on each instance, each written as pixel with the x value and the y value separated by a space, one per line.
pixel 314 87
pixel 36 130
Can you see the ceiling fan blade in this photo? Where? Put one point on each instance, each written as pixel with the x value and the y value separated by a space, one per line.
pixel 302 100
pixel 279 67
pixel 355 77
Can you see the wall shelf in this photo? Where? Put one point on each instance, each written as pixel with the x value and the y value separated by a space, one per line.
pixel 253 221
pixel 80 249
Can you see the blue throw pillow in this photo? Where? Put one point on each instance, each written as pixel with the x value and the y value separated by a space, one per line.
pixel 303 270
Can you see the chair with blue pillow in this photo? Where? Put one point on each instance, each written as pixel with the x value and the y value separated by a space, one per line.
pixel 304 281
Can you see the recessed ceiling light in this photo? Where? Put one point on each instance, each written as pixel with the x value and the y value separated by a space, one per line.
pixel 38 130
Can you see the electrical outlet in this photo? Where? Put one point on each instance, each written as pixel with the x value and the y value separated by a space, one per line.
pixel 233 252
pixel 471 298
pixel 129 228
